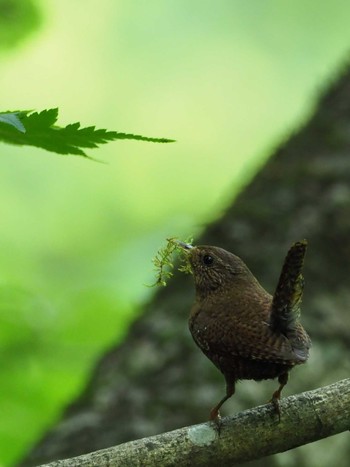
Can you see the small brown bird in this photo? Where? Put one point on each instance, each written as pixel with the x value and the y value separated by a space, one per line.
pixel 242 329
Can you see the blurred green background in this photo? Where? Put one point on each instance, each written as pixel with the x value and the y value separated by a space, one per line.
pixel 228 80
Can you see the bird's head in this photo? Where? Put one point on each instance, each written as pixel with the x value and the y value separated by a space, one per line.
pixel 214 267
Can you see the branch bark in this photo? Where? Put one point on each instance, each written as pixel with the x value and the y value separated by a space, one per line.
pixel 249 435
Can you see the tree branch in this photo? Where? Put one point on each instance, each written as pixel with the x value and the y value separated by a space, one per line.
pixel 249 435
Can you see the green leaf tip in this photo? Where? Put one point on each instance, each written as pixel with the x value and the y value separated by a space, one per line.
pixel 39 129
pixel 164 263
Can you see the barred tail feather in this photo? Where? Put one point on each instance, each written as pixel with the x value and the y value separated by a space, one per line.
pixel 285 312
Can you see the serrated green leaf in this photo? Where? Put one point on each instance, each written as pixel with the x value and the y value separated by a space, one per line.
pixel 11 118
pixel 39 129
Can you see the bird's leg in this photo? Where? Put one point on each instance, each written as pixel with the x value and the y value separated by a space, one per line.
pixel 214 413
pixel 276 396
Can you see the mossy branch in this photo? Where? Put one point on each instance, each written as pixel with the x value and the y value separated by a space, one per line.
pixel 249 435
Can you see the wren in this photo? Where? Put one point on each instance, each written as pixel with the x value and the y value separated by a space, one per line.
pixel 241 328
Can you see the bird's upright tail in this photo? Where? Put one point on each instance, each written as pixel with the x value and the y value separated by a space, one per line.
pixel 285 312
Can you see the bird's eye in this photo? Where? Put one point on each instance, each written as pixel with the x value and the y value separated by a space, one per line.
pixel 208 260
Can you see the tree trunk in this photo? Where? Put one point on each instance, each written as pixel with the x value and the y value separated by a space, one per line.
pixel 157 380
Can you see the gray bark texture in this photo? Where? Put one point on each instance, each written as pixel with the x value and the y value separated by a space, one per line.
pixel 157 380
pixel 308 417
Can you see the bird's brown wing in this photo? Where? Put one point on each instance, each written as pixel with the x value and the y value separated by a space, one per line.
pixel 225 335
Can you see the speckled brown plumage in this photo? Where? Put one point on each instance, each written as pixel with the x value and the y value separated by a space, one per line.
pixel 242 329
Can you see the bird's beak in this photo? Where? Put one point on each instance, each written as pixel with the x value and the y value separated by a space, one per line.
pixel 185 246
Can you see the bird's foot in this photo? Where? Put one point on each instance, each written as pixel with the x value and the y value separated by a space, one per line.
pixel 275 401
pixel 215 417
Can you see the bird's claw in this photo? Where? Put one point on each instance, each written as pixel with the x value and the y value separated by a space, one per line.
pixel 215 417
pixel 275 401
